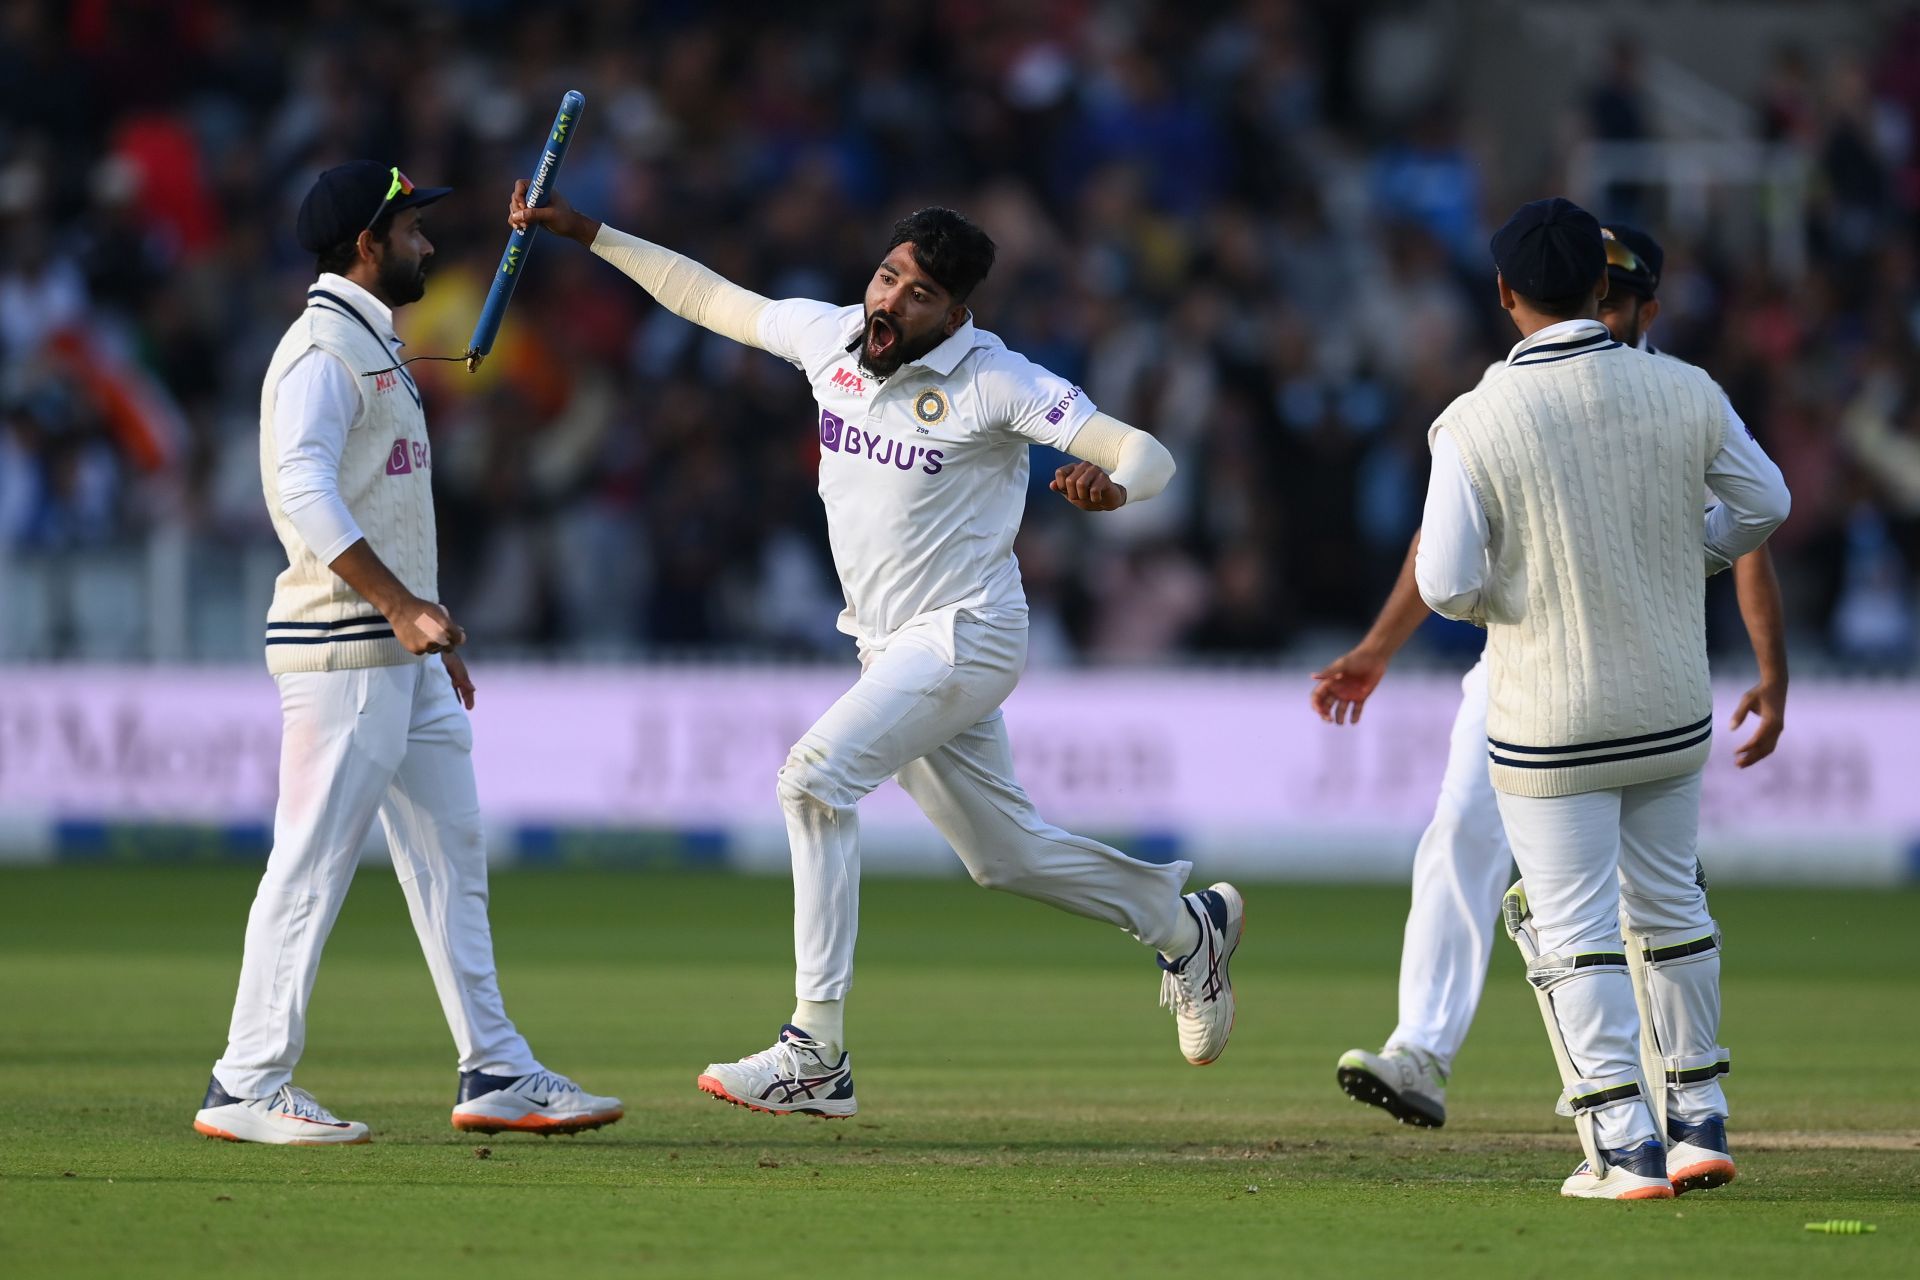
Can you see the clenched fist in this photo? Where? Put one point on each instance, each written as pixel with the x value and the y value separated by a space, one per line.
pixel 1088 487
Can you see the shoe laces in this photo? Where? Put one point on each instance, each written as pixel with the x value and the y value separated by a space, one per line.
pixel 1183 990
pixel 1185 986
pixel 548 1083
pixel 1174 994
pixel 298 1102
pixel 783 1058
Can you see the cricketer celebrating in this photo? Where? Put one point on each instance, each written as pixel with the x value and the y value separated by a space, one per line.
pixel 924 424
pixel 370 693
pixel 1461 867
pixel 1563 514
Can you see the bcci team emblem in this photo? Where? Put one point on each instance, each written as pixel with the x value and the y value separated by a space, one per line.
pixel 930 407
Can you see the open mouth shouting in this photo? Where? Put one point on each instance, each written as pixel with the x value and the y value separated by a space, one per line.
pixel 883 338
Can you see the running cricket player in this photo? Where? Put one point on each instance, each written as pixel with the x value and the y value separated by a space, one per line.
pixel 924 426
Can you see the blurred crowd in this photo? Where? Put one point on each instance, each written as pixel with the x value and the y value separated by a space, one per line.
pixel 1206 216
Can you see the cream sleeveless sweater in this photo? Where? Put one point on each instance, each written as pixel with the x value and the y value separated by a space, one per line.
pixel 318 622
pixel 1589 464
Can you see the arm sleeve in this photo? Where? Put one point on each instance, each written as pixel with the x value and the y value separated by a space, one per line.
pixel 684 287
pixel 1753 496
pixel 1450 567
pixel 800 330
pixel 313 409
pixel 1018 396
pixel 1136 461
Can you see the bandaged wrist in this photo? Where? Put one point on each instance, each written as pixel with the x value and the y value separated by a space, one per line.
pixel 1137 462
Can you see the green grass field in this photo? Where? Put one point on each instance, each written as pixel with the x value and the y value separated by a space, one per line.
pixel 1025 1110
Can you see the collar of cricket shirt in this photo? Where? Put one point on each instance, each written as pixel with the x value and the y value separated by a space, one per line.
pixel 945 358
pixel 375 311
pixel 1563 341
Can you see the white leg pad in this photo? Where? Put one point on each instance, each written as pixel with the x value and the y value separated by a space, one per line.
pixel 1698 1068
pixel 1590 1097
pixel 1585 1098
pixel 1677 984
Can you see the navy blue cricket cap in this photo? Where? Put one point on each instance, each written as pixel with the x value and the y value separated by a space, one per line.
pixel 1550 249
pixel 347 197
pixel 1634 258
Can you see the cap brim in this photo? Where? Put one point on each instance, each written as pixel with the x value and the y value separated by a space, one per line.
pixel 421 196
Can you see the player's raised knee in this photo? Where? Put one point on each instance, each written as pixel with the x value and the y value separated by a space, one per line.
pixel 806 781
pixel 1004 875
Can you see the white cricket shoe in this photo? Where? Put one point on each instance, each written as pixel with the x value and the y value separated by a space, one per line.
pixel 1697 1158
pixel 287 1118
pixel 1198 987
pixel 538 1102
pixel 792 1076
pixel 1407 1084
pixel 1637 1173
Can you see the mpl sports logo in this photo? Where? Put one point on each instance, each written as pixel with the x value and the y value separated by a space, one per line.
pixel 849 381
pixel 408 455
pixel 837 437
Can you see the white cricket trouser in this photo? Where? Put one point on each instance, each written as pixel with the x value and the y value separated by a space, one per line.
pixel 393 741
pixel 1585 856
pixel 1460 872
pixel 927 711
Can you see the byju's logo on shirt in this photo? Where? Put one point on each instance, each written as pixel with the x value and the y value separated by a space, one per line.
pixel 406 455
pixel 849 381
pixel 837 437
pixel 1059 411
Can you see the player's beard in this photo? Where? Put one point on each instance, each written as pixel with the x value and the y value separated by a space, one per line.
pixel 896 348
pixel 1635 329
pixel 402 280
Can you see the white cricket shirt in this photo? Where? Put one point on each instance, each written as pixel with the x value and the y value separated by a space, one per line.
pixel 924 475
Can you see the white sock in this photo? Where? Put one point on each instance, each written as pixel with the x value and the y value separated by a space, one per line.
pixel 1186 939
pixel 825 1021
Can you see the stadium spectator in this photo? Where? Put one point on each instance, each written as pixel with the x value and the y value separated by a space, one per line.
pixel 1210 216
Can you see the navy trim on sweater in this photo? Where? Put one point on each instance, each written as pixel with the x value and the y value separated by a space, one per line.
pixel 384 632
pixel 1610 742
pixel 1563 763
pixel 1523 362
pixel 353 311
pixel 324 626
pixel 1573 344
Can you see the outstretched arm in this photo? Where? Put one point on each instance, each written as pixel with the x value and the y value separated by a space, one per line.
pixel 1122 464
pixel 677 282
pixel 1342 687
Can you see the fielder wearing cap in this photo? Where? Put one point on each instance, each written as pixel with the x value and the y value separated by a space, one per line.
pixel 1563 515
pixel 1460 867
pixel 924 422
pixel 371 693
pixel 1634 262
